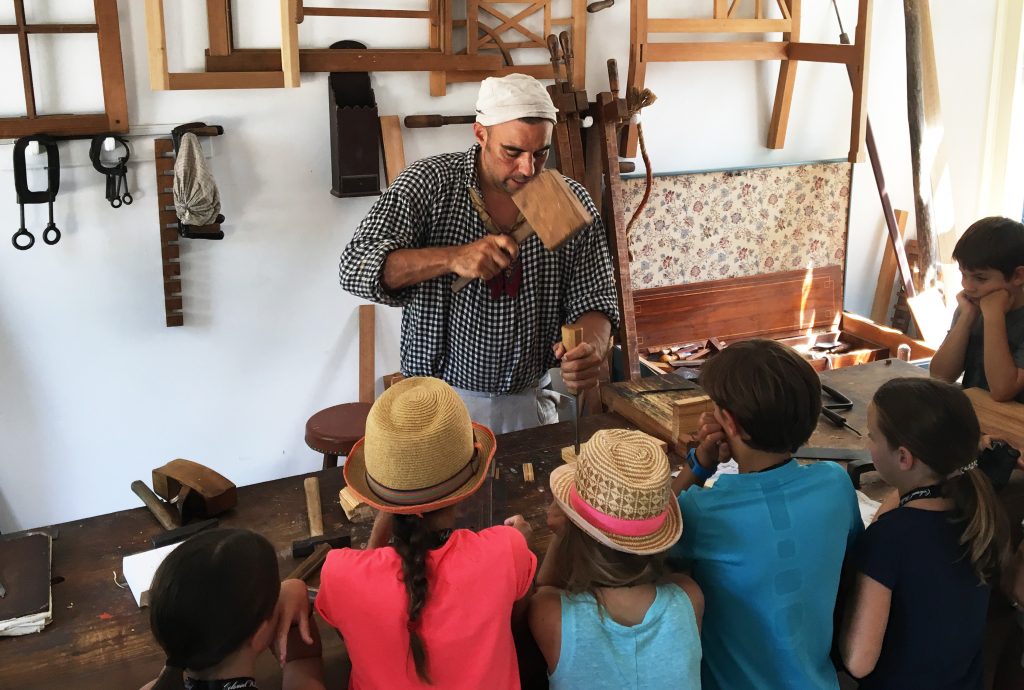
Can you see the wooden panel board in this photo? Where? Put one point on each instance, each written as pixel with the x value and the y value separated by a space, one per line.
pixel 394 150
pixel 342 60
pixel 757 306
pixel 1001 420
pixel 367 362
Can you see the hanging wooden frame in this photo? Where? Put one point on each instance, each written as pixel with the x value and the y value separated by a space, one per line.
pixel 485 28
pixel 115 103
pixel 285 74
pixel 790 50
pixel 223 57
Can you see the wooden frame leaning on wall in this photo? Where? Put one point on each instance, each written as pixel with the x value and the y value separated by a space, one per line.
pixel 115 103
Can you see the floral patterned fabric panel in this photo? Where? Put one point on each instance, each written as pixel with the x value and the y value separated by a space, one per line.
pixel 717 225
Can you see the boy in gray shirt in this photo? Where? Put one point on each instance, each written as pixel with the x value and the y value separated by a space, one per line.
pixel 986 340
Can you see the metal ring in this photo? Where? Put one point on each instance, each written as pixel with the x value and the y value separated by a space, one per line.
pixel 127 198
pixel 51 228
pixel 23 247
pixel 115 203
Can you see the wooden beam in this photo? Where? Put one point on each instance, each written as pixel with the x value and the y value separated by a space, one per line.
pixel 711 51
pixel 345 60
pixel 26 59
pixel 57 125
pixel 289 44
pixel 725 26
pixel 887 276
pixel 394 150
pixel 823 52
pixel 535 71
pixel 218 26
pixel 636 73
pixel 115 99
pixel 859 70
pixel 184 81
pixel 350 12
pixel 159 79
pixel 787 80
pixel 367 372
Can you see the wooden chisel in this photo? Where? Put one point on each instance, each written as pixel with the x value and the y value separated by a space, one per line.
pixel 571 337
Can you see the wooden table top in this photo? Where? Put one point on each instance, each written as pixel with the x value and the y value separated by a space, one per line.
pixel 99 638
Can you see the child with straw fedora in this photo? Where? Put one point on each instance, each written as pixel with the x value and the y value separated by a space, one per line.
pixel 607 613
pixel 426 605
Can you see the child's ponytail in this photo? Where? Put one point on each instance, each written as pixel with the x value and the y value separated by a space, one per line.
pixel 936 422
pixel 413 539
pixel 986 534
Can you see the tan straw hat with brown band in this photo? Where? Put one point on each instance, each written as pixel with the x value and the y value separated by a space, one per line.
pixel 620 492
pixel 421 451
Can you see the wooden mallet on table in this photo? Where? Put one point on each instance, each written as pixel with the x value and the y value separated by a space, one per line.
pixel 552 211
pixel 304 547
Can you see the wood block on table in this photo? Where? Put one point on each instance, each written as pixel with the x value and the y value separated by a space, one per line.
pixel 686 414
pixel 355 510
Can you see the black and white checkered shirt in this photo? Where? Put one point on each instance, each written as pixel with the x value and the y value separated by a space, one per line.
pixel 468 339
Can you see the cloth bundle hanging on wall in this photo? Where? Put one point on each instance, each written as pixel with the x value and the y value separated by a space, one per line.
pixel 196 198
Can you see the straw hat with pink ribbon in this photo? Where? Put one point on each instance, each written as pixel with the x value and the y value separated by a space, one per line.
pixel 619 492
pixel 421 451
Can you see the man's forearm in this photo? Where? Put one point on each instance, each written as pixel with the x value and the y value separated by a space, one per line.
pixel 597 330
pixel 405 267
pixel 948 362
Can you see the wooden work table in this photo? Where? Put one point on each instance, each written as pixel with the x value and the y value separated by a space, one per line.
pixel 99 638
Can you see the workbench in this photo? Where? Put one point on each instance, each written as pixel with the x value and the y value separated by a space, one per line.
pixel 99 638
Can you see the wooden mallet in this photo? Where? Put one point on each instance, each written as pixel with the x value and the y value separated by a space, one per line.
pixel 305 547
pixel 552 211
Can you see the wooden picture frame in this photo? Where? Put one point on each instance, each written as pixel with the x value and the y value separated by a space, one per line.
pixel 284 74
pixel 114 117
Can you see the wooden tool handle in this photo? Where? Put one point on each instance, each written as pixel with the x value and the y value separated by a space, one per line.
pixel 613 77
pixel 521 235
pixel 555 56
pixel 316 518
pixel 418 121
pixel 159 509
pixel 571 336
pixel 563 40
pixel 312 562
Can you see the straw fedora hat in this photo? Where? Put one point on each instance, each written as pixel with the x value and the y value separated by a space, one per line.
pixel 619 492
pixel 421 451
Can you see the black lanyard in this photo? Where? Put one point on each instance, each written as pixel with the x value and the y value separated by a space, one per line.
pixel 934 491
pixel 220 684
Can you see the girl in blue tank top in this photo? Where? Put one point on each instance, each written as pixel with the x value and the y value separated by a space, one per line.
pixel 607 614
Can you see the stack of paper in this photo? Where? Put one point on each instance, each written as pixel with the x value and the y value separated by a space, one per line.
pixel 140 568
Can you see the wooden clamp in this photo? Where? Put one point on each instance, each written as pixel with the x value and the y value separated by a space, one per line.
pixel 552 211
pixel 194 489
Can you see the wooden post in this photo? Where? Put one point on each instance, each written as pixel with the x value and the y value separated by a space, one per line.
pixel 784 88
pixel 290 43
pixel 367 372
pixel 394 150
pixel 887 276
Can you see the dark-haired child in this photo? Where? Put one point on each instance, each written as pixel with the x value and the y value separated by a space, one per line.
pixel 917 615
pixel 608 614
pixel 766 545
pixel 986 341
pixel 212 607
pixel 426 604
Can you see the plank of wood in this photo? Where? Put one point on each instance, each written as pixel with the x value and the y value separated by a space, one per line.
pixel 185 81
pixel 1001 420
pixel 289 43
pixel 345 60
pixel 757 306
pixel 355 510
pixel 779 123
pixel 715 50
pixel 823 52
pixel 108 37
pixel 367 371
pixel 552 209
pixel 156 42
pixel 394 149
pixel 887 275
pixel 725 26
pixel 218 26
pixel 528 472
pixel 858 68
pixel 686 414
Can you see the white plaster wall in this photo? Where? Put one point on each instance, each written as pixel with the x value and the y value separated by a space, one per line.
pixel 95 391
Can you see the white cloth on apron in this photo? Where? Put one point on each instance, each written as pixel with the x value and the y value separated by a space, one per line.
pixel 505 413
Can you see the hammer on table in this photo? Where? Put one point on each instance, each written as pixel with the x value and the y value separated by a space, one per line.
pixel 304 547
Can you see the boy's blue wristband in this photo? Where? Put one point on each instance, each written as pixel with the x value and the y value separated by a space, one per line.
pixel 699 471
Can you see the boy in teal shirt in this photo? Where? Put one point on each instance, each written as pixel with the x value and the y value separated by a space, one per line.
pixel 766 545
pixel 986 341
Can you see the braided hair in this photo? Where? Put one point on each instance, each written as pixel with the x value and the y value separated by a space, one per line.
pixel 413 539
pixel 209 596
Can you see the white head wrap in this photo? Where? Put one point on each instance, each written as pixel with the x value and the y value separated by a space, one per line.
pixel 515 96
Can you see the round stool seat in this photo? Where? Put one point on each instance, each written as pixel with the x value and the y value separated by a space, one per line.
pixel 334 430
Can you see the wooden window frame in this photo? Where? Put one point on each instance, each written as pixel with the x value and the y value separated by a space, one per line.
pixel 114 117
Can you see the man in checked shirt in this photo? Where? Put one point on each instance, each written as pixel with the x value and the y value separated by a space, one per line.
pixel 450 215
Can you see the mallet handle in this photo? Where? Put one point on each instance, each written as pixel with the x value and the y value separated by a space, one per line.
pixel 159 509
pixel 316 517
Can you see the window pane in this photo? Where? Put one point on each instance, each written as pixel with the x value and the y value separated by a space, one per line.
pixel 63 12
pixel 66 73
pixel 12 91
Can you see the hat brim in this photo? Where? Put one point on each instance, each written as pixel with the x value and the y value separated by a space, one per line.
pixel 355 477
pixel 563 477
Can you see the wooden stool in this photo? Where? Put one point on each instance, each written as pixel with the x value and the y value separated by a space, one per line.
pixel 333 431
